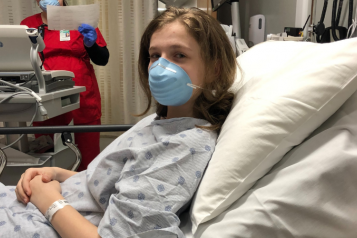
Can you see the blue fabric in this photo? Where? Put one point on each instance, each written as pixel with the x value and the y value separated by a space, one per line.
pixel 134 188
pixel 169 83
pixel 44 3
pixel 89 34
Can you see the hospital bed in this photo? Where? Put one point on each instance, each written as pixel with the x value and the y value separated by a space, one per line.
pixel 285 163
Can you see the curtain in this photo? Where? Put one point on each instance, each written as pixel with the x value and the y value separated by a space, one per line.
pixel 12 12
pixel 122 23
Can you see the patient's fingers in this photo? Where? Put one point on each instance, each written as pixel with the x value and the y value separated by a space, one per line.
pixel 28 176
pixel 20 194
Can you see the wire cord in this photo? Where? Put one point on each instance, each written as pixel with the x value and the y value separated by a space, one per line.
pixel 37 107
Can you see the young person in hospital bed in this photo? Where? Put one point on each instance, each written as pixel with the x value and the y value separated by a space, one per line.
pixel 137 186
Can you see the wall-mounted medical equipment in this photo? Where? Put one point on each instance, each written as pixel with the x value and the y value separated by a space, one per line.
pixel 335 32
pixel 284 37
pixel 289 34
pixel 229 30
pixel 256 30
pixel 293 31
pixel 240 44
pixel 335 28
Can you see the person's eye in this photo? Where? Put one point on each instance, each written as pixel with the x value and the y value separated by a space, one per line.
pixel 154 56
pixel 180 56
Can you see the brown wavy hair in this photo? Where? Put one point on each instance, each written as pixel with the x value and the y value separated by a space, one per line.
pixel 214 103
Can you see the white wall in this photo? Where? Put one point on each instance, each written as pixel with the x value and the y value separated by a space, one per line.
pixel 278 14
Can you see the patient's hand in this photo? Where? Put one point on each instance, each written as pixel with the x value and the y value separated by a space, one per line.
pixel 23 190
pixel 44 194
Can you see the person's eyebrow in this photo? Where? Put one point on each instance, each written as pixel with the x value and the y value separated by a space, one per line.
pixel 176 46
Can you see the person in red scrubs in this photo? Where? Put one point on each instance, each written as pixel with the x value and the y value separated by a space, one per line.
pixel 73 50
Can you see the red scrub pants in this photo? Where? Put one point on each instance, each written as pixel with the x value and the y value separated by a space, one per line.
pixel 87 143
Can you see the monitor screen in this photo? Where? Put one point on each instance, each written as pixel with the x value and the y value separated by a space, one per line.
pixel 217 3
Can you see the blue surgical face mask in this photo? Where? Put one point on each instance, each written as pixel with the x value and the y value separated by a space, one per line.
pixel 44 3
pixel 170 85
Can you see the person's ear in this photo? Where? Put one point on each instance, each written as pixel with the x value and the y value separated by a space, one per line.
pixel 215 70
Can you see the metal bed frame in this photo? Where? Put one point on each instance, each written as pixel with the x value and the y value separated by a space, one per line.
pixel 65 136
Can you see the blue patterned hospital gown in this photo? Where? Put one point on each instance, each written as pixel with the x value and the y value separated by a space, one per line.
pixel 134 188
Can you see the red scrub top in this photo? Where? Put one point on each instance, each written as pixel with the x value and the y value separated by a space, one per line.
pixel 72 56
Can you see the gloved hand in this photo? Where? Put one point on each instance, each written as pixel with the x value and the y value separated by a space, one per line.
pixel 89 33
pixel 44 3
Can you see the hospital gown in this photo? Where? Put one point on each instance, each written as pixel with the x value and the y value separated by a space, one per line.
pixel 134 188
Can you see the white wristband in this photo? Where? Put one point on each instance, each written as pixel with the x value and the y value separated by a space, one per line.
pixel 55 207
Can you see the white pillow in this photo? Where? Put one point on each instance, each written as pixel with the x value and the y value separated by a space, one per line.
pixel 290 88
pixel 311 192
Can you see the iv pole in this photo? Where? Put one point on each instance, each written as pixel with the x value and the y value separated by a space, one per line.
pixel 236 23
pixel 236 18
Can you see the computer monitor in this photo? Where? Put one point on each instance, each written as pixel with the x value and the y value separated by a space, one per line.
pixel 217 4
pixel 15 48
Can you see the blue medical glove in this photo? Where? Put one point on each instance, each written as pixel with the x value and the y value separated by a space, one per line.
pixel 44 3
pixel 89 33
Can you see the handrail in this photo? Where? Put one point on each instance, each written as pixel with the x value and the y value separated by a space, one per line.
pixel 61 129
pixel 65 130
pixel 3 160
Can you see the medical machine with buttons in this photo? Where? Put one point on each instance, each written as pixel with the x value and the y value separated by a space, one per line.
pixel 30 93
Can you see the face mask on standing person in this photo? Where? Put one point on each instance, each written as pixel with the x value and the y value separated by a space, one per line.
pixel 45 3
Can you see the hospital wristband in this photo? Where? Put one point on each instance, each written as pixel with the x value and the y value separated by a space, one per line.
pixel 55 207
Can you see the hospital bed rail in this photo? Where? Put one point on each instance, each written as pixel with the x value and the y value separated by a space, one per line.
pixel 65 136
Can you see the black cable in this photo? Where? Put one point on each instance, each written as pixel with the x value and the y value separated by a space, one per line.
pixel 306 23
pixel 339 13
pixel 350 14
pixel 43 59
pixel 333 20
pixel 29 81
pixel 320 27
pixel 323 14
pixel 41 30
